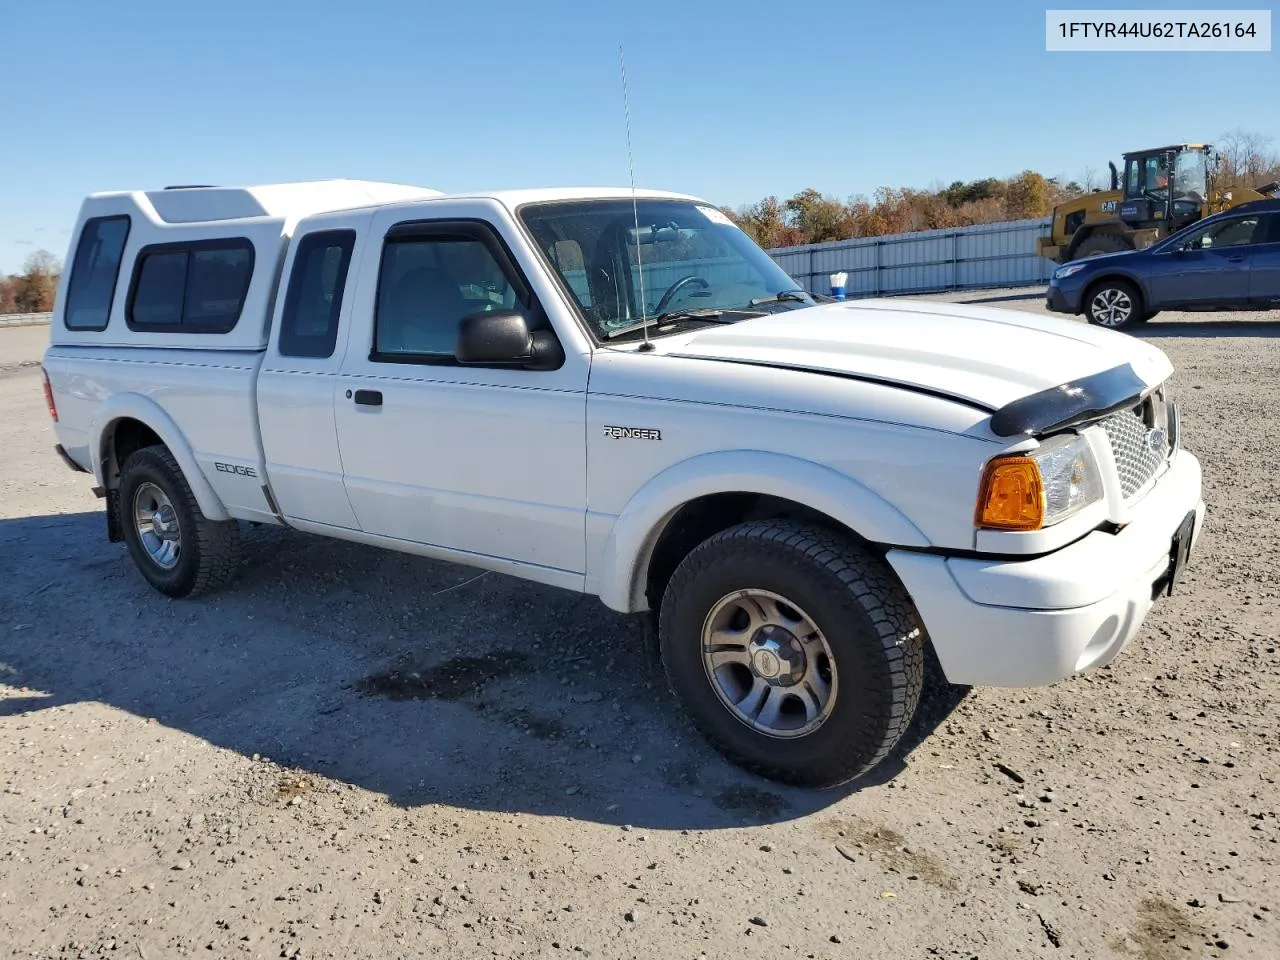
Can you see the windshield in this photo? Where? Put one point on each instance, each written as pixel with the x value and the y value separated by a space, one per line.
pixel 1189 175
pixel 686 255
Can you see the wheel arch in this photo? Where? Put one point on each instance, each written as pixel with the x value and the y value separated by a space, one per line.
pixel 693 499
pixel 127 418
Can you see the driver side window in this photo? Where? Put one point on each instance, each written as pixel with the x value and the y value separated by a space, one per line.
pixel 426 285
pixel 1227 233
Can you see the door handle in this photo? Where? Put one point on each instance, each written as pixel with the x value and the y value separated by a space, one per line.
pixel 1238 258
pixel 369 398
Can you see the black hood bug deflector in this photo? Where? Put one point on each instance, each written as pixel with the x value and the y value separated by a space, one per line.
pixel 1068 404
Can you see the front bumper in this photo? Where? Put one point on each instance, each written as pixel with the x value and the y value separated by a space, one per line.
pixel 1059 302
pixel 1023 623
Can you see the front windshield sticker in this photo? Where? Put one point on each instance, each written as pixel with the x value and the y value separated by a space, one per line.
pixel 715 216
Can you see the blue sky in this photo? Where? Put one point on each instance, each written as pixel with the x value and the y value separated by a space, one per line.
pixel 729 100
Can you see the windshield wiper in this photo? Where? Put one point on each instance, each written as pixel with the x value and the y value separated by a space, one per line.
pixel 709 314
pixel 798 295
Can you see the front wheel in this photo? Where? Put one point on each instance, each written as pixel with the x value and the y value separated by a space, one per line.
pixel 1099 244
pixel 1114 304
pixel 796 653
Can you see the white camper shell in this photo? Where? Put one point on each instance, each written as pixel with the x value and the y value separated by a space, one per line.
pixel 255 222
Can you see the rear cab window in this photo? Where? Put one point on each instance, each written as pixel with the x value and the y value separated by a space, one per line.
pixel 94 273
pixel 195 287
pixel 313 302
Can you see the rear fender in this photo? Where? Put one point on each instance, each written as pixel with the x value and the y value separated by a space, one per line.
pixel 135 406
pixel 623 564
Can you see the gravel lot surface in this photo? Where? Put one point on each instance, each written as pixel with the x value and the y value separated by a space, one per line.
pixel 353 753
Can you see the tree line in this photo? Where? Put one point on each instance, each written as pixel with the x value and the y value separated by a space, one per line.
pixel 813 217
pixel 32 290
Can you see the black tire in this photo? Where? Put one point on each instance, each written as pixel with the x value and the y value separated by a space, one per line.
pixel 1101 243
pixel 876 640
pixel 1117 292
pixel 209 549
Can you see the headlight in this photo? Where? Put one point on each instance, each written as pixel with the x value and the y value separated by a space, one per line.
pixel 1063 272
pixel 1034 490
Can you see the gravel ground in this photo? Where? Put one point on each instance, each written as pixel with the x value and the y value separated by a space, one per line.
pixel 353 753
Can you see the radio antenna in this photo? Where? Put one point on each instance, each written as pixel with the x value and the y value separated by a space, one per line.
pixel 635 210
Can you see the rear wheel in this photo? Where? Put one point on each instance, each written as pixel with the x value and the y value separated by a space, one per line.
pixel 180 551
pixel 1099 244
pixel 1115 304
pixel 794 651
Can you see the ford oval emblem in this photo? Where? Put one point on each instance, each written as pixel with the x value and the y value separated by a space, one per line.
pixel 1156 440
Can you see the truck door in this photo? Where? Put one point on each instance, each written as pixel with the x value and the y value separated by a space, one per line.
pixel 299 378
pixel 487 461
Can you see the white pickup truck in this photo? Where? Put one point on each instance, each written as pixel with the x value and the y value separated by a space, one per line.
pixel 619 393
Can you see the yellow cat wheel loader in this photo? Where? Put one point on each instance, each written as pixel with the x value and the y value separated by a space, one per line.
pixel 1163 190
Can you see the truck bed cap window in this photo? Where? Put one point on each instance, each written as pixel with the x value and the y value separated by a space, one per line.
pixel 94 272
pixel 194 287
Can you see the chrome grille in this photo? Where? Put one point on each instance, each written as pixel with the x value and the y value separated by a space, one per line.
pixel 1138 449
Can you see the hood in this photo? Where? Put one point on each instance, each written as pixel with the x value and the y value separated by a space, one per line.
pixel 1105 257
pixel 983 356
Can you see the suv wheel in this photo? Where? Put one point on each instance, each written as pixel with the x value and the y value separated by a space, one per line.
pixel 173 544
pixel 1115 304
pixel 794 651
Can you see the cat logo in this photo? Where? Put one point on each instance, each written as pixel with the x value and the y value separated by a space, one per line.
pixel 1109 206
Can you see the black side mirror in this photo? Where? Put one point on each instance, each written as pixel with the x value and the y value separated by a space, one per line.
pixel 503 338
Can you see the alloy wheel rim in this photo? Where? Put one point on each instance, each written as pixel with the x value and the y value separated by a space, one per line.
pixel 1111 307
pixel 157 525
pixel 769 663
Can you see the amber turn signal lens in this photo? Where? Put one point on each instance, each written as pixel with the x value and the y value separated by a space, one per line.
pixel 1012 495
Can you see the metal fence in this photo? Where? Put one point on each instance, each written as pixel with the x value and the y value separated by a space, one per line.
pixel 967 258
pixel 24 319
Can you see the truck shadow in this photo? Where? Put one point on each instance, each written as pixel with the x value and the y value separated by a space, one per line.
pixel 423 681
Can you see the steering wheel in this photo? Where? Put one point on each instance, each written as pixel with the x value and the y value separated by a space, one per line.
pixel 675 288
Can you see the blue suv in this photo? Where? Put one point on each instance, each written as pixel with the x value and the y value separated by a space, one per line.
pixel 1229 261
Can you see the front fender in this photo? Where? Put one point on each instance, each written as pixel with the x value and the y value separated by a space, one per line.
pixel 622 564
pixel 136 406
